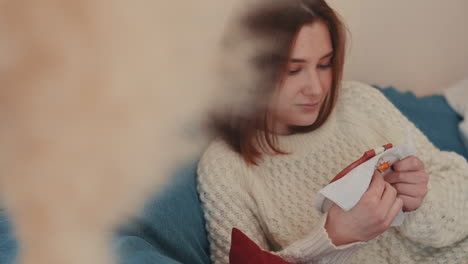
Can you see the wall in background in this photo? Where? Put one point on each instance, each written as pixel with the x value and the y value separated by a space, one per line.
pixel 418 45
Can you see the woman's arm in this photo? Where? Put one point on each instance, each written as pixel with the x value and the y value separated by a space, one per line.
pixel 441 219
pixel 227 204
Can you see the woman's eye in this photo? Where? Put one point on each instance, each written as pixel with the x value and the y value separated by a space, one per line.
pixel 325 66
pixel 294 71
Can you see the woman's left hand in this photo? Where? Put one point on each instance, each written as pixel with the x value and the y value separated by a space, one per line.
pixel 410 180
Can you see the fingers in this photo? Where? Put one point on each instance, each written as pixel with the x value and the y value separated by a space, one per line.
pixel 377 185
pixel 409 203
pixel 388 198
pixel 411 163
pixel 413 190
pixel 407 177
pixel 393 212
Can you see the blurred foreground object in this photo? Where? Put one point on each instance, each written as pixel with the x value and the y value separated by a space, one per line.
pixel 95 103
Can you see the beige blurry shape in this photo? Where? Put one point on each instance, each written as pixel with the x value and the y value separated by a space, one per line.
pixel 94 99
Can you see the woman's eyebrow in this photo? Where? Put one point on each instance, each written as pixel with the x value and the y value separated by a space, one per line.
pixel 297 60
pixel 328 55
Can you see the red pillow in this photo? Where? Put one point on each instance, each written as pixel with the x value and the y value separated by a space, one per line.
pixel 245 251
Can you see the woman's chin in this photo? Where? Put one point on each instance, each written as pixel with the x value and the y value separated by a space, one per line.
pixel 304 124
pixel 306 121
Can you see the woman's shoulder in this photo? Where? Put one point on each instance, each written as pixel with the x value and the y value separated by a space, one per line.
pixel 357 97
pixel 218 150
pixel 219 158
pixel 355 91
pixel 367 108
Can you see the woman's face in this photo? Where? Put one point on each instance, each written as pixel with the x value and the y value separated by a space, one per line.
pixel 307 80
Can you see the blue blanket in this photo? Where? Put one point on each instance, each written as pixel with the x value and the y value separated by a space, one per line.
pixel 171 228
pixel 433 116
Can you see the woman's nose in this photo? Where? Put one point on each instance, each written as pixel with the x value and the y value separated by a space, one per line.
pixel 312 85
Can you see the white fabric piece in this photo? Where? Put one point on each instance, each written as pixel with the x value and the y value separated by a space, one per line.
pixel 347 191
pixel 464 129
pixel 457 97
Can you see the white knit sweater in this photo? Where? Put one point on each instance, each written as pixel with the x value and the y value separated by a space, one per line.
pixel 273 202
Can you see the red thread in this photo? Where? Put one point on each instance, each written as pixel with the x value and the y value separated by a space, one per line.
pixel 367 156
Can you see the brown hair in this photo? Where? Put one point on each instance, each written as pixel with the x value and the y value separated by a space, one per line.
pixel 278 23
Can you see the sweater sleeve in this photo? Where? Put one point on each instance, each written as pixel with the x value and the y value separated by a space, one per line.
pixel 227 204
pixel 441 219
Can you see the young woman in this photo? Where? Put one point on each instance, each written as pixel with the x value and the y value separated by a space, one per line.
pixel 262 173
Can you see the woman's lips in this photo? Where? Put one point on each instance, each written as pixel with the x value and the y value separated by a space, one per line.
pixel 309 107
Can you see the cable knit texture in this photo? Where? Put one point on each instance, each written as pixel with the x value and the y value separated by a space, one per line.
pixel 273 203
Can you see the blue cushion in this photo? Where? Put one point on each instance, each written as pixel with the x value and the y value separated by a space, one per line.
pixel 171 229
pixel 8 245
pixel 433 116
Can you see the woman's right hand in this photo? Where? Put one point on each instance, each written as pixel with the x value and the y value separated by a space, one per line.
pixel 372 215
